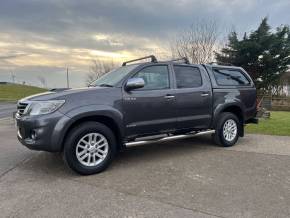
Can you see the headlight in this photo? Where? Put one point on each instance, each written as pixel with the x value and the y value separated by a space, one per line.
pixel 43 107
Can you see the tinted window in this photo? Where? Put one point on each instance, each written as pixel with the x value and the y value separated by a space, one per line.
pixel 187 77
pixel 155 77
pixel 230 77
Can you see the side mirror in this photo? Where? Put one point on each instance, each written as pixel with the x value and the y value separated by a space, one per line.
pixel 134 83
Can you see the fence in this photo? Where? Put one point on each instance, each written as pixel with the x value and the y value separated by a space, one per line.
pixel 275 103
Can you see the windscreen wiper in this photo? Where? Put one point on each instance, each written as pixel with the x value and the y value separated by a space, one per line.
pixel 105 85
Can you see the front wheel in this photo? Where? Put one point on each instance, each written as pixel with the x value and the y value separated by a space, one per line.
pixel 227 130
pixel 89 148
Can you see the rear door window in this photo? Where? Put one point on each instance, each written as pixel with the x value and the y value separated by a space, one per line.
pixel 230 77
pixel 187 77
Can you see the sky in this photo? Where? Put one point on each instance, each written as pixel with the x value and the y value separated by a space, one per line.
pixel 41 38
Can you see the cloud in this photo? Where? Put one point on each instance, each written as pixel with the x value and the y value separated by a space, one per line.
pixel 53 34
pixel 11 56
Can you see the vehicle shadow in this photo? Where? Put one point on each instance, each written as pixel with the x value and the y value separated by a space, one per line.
pixel 52 164
pixel 150 152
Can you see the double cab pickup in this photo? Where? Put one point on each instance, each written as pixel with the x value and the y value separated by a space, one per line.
pixel 148 101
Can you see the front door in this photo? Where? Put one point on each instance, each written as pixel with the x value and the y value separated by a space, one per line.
pixel 150 110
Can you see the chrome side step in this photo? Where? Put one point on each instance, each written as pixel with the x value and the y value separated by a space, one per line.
pixel 170 138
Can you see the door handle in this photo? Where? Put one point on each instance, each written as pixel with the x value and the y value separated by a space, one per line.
pixel 169 96
pixel 204 94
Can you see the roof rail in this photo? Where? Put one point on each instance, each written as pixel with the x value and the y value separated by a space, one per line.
pixel 220 63
pixel 185 59
pixel 153 59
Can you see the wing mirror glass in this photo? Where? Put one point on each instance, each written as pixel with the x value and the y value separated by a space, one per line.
pixel 135 83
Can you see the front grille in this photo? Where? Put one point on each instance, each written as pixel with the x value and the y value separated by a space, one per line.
pixel 21 108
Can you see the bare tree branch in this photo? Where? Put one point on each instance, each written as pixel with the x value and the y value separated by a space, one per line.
pixel 198 43
pixel 42 81
pixel 99 68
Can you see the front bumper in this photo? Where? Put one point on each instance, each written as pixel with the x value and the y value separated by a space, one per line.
pixel 44 132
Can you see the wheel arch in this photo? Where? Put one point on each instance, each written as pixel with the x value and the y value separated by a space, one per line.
pixel 235 108
pixel 111 118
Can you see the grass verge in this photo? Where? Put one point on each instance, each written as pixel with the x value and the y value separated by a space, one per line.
pixel 278 124
pixel 13 92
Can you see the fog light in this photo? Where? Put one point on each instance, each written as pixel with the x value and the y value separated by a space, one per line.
pixel 33 135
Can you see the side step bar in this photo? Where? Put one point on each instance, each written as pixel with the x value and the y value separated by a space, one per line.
pixel 169 138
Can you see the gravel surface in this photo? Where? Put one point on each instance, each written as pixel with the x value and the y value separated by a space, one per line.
pixel 184 178
pixel 7 109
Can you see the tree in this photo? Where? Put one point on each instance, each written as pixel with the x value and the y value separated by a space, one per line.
pixel 42 81
pixel 198 42
pixel 265 55
pixel 99 68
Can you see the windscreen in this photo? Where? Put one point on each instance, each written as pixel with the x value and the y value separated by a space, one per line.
pixel 113 77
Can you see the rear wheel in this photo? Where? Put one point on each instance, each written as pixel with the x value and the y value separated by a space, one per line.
pixel 89 148
pixel 227 130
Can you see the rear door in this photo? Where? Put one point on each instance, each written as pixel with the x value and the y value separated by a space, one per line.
pixel 193 97
pixel 150 109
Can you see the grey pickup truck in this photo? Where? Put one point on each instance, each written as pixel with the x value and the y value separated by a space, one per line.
pixel 138 103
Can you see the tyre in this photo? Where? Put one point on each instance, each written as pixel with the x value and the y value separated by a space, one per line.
pixel 227 130
pixel 89 148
